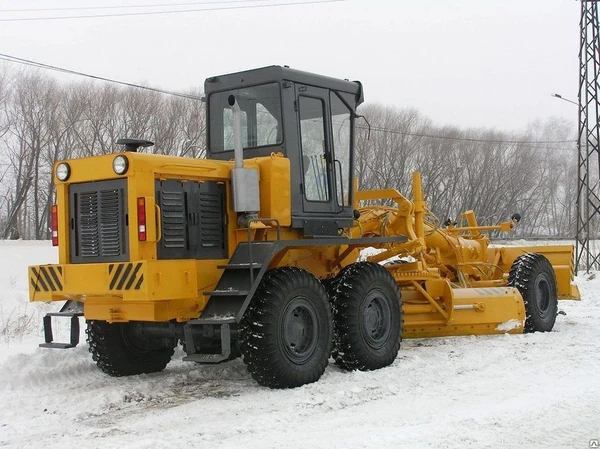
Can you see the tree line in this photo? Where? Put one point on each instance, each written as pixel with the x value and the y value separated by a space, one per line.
pixel 495 173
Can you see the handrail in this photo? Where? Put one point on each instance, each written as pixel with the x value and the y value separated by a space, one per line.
pixel 158 219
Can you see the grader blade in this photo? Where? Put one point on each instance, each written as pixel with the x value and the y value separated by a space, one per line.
pixel 475 311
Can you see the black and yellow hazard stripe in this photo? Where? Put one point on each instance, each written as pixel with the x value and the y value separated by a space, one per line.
pixel 125 276
pixel 47 278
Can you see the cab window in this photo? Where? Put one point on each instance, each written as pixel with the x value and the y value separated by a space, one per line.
pixel 261 117
pixel 313 147
pixel 341 129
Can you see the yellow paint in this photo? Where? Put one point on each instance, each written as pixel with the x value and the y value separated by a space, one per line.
pixel 275 194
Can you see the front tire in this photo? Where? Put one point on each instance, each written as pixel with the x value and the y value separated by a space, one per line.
pixel 118 351
pixel 367 317
pixel 286 333
pixel 532 274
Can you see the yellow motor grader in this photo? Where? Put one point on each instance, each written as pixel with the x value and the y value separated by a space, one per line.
pixel 255 251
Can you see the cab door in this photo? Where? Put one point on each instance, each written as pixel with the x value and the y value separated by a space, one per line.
pixel 316 159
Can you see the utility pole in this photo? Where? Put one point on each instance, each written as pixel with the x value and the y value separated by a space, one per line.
pixel 588 187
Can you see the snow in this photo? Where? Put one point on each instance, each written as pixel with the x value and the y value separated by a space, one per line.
pixel 510 325
pixel 509 391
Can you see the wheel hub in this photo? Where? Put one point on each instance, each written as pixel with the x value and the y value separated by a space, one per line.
pixel 542 293
pixel 299 331
pixel 376 320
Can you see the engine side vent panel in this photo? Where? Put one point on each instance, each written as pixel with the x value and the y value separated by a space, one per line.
pixel 173 214
pixel 172 200
pixel 211 204
pixel 193 219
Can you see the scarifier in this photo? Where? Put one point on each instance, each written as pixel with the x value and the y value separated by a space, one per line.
pixel 254 251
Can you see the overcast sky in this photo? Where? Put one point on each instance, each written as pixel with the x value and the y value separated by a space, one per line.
pixel 470 63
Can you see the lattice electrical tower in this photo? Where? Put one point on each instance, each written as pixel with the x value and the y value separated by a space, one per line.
pixel 588 187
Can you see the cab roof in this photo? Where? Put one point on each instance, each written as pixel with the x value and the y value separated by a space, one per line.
pixel 280 74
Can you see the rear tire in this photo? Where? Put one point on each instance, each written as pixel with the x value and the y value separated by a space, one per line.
pixel 532 274
pixel 119 352
pixel 367 317
pixel 286 333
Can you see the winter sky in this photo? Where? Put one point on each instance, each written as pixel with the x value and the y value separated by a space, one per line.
pixel 470 63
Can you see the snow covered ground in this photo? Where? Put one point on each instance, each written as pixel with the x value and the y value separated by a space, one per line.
pixel 512 391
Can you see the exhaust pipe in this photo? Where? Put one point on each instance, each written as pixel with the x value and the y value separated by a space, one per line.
pixel 244 181
pixel 238 150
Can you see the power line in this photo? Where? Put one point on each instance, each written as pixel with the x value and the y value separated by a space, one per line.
pixel 463 139
pixel 179 11
pixel 28 62
pixel 80 8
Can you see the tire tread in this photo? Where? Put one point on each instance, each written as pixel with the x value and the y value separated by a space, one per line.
pixel 113 357
pixel 258 330
pixel 350 351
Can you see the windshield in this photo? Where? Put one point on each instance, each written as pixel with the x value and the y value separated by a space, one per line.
pixel 261 117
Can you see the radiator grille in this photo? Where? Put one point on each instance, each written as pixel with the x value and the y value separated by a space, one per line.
pixel 110 235
pixel 89 243
pixel 98 221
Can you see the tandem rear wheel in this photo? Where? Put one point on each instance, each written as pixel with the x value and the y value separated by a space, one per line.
pixel 293 324
pixel 367 317
pixel 286 333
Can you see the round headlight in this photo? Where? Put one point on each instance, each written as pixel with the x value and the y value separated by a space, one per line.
pixel 120 165
pixel 63 171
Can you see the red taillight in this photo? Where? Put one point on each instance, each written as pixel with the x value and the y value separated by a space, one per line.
pixel 141 215
pixel 54 224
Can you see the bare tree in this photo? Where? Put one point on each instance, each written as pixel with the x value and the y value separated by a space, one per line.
pixel 33 102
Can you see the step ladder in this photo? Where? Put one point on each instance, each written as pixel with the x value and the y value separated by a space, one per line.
pixel 240 279
pixel 190 340
pixel 71 309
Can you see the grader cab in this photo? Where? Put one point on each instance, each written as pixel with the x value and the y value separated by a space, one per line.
pixel 255 250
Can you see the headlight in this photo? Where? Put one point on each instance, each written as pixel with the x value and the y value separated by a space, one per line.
pixel 63 171
pixel 120 165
